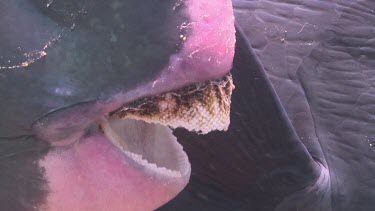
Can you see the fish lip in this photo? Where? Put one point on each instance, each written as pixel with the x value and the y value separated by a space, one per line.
pixel 182 167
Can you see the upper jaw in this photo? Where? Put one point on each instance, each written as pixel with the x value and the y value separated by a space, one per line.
pixel 206 54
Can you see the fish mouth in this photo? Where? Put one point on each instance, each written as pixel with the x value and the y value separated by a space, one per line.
pixel 143 129
pixel 128 157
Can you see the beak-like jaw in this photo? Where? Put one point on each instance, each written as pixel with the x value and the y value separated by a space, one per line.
pixel 134 153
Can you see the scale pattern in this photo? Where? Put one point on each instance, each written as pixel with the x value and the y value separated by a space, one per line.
pixel 201 107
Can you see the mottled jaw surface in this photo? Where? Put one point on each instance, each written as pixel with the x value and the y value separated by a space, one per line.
pixel 141 129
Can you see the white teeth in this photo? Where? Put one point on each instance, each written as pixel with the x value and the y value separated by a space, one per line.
pixel 152 166
pixel 138 158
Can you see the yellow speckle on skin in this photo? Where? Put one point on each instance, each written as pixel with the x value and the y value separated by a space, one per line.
pixel 183 37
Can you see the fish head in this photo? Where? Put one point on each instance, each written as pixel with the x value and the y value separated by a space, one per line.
pixel 67 71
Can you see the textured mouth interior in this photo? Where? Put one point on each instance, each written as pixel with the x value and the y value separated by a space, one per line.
pixel 141 128
pixel 201 107
pixel 152 146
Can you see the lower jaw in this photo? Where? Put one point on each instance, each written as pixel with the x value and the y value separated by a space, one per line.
pixel 95 173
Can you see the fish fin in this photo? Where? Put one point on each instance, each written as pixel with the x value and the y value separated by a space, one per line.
pixel 260 159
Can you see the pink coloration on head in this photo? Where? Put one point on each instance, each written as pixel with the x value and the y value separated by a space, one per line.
pixel 208 49
pixel 93 175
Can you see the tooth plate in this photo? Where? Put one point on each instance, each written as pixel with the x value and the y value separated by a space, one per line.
pixel 201 108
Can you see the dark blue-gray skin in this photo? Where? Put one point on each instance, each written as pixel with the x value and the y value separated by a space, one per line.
pixel 311 147
pixel 301 120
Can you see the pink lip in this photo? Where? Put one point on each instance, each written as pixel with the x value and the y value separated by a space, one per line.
pixel 87 176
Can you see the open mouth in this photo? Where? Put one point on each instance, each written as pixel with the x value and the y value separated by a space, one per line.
pixel 143 129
